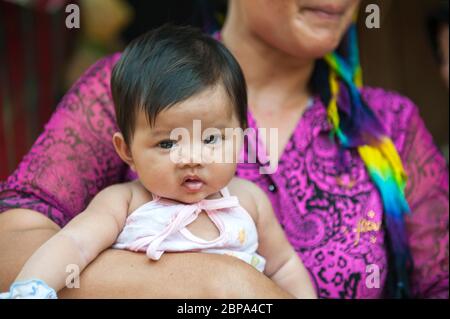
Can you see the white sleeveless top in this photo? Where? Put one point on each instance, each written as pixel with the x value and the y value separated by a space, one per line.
pixel 160 225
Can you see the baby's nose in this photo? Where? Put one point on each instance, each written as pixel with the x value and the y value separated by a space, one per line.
pixel 191 155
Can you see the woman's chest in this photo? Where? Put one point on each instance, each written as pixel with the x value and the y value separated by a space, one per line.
pixel 331 213
pixel 275 128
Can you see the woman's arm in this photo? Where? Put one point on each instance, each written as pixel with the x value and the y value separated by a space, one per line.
pixel 427 195
pixel 283 264
pixel 426 191
pixel 124 274
pixel 80 241
pixel 74 158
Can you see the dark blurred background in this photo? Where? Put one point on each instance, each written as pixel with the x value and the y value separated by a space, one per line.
pixel 40 58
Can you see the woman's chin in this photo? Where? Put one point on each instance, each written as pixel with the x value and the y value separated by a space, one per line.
pixel 314 43
pixel 318 38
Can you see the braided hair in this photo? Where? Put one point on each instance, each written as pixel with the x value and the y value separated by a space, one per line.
pixel 355 126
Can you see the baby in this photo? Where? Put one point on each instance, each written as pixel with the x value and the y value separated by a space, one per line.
pixel 178 94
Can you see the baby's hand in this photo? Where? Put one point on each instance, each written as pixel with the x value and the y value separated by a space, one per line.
pixel 29 289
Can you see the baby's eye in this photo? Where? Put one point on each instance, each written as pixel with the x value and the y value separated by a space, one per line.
pixel 212 139
pixel 167 144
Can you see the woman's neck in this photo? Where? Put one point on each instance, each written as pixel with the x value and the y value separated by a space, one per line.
pixel 274 78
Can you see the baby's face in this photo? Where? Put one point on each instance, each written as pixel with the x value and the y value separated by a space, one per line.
pixel 186 155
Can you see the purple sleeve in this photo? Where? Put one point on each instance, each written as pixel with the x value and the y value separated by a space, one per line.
pixel 427 194
pixel 73 158
pixel 426 191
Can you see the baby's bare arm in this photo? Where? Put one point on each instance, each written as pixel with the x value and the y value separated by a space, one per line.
pixel 124 274
pixel 81 240
pixel 283 264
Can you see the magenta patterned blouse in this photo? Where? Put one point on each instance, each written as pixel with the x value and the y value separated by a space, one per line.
pixel 331 217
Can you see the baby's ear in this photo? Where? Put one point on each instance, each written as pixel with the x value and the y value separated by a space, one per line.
pixel 123 150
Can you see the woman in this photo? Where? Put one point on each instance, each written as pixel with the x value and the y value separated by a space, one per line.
pixel 334 211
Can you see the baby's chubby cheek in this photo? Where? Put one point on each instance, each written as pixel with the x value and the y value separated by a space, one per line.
pixel 158 180
pixel 222 174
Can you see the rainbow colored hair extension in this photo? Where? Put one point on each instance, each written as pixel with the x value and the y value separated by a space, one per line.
pixel 356 126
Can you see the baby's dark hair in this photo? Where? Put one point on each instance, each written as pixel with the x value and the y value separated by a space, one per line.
pixel 168 65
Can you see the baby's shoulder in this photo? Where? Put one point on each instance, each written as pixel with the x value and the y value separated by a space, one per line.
pixel 133 192
pixel 246 192
pixel 140 195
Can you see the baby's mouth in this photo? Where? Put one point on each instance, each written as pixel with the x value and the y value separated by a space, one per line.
pixel 192 183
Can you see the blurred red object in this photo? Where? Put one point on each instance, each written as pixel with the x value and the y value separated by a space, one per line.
pixel 34 47
pixel 44 5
